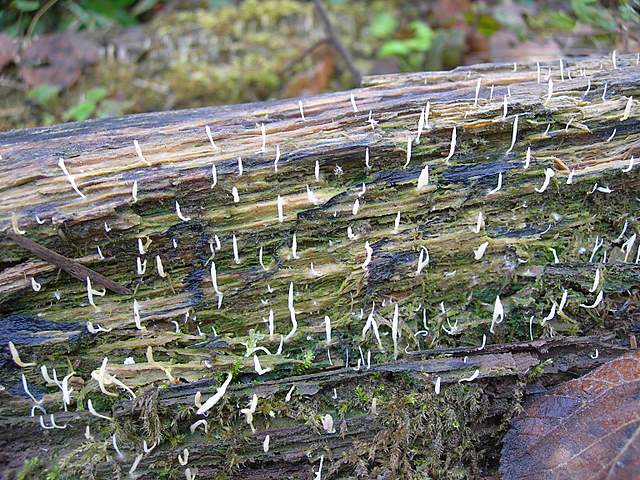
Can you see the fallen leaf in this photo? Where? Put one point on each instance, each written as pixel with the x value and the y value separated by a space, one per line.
pixel 450 12
pixel 57 59
pixel 587 428
pixel 315 79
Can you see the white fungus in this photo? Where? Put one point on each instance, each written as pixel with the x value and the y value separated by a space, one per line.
pixel 498 314
pixel 139 152
pixel 70 177
pixel 452 148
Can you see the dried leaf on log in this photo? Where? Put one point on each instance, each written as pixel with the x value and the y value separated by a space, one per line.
pixel 587 428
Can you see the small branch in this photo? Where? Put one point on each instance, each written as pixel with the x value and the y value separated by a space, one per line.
pixel 72 267
pixel 335 40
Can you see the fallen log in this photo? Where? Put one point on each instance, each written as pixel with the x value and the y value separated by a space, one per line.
pixel 469 213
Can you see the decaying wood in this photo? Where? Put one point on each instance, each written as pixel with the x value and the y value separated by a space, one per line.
pixel 389 421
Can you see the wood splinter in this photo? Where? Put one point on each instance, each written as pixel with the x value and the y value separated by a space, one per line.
pixel 70 266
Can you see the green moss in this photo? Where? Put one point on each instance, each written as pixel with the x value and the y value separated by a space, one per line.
pixel 32 468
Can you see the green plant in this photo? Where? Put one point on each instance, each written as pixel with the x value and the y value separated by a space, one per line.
pixel 31 468
pixel 592 13
pixel 409 50
pixel 86 108
pixel 29 17
pixel 361 395
pixel 44 95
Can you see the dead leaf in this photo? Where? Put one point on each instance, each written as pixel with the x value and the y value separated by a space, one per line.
pixel 57 59
pixel 450 12
pixel 587 429
pixel 315 79
pixel 8 50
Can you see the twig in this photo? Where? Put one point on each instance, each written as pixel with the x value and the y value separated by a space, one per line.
pixel 333 37
pixel 72 267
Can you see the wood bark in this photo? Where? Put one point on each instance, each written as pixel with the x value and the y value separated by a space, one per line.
pixel 389 421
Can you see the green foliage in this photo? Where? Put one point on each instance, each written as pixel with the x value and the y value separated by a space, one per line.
pixel 629 11
pixel 53 473
pixel 307 362
pixel 488 25
pixel 383 26
pixel 28 17
pixel 592 13
pixel 26 5
pixel 86 108
pixel 44 95
pixel 31 469
pixel 410 49
pixel 361 394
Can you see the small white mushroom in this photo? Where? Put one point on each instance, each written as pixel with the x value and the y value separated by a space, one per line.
pixel 452 148
pixel 70 177
pixel 498 187
pixel 396 224
pixel 367 260
pixel 214 175
pixel 479 252
pixel 479 223
pixel 327 424
pixel 498 314
pixel 353 104
pixel 213 144
pixel 184 458
pixel 258 368
pixel 211 401
pixel 409 142
pixel 240 167
pixel 627 109
pixel 356 207
pixel 550 91
pixel 596 281
pixel 475 375
pixel 514 134
pixel 597 301
pixel 160 267
pixel 292 314
pixel 96 414
pixel 630 166
pixel 280 203
pixel 234 243
pixel 294 247
pixel 548 175
pixel 423 179
pixel 263 133
pixel 139 152
pixel 423 260
pixel 180 215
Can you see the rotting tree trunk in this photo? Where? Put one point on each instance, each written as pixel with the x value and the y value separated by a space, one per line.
pixel 389 421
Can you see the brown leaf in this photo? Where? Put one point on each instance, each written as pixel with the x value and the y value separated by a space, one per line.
pixel 587 429
pixel 8 50
pixel 449 12
pixel 315 79
pixel 57 59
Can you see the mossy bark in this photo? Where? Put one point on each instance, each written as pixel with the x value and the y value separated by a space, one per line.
pixel 408 430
